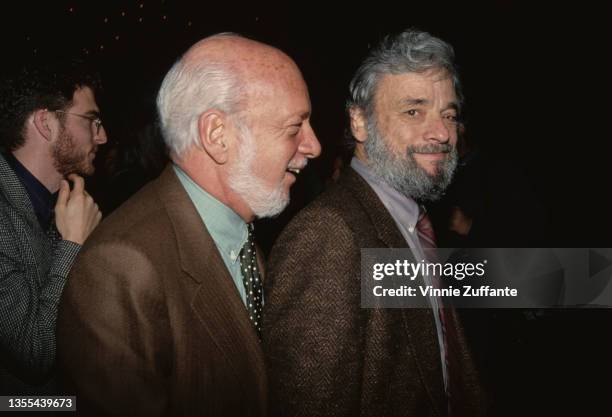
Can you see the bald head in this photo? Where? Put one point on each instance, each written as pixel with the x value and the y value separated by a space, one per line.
pixel 235 115
pixel 225 72
pixel 247 57
pixel 258 69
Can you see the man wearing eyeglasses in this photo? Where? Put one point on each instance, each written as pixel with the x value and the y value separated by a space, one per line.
pixel 50 130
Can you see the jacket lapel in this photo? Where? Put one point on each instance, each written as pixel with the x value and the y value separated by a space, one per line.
pixel 418 323
pixel 216 302
pixel 371 204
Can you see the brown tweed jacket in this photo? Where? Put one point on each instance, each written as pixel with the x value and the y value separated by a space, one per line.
pixel 151 323
pixel 326 355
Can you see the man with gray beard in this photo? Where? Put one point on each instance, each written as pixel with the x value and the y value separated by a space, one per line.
pixel 326 355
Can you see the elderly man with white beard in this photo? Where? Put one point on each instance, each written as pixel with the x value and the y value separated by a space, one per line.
pixel 327 356
pixel 162 313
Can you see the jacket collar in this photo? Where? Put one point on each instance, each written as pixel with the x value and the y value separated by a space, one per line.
pixel 375 209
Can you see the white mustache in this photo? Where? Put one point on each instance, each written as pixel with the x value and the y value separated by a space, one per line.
pixel 296 165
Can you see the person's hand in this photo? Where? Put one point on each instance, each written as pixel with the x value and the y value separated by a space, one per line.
pixel 76 213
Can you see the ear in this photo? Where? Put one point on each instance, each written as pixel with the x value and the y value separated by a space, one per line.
pixel 358 124
pixel 212 131
pixel 44 123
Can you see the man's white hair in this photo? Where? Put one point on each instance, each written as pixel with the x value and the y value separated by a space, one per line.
pixel 190 89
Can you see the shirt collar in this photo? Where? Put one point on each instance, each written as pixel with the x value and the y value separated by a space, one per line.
pixel 227 228
pixel 403 209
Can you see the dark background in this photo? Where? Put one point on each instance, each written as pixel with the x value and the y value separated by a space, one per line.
pixel 538 84
pixel 537 78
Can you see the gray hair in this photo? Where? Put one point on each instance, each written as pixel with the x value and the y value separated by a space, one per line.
pixel 187 91
pixel 410 51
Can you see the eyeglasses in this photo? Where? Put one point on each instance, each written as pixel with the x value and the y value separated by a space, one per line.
pixel 95 120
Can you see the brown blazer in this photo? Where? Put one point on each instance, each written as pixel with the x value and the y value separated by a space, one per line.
pixel 150 322
pixel 326 355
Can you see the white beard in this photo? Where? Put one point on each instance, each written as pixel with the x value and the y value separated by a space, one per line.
pixel 263 200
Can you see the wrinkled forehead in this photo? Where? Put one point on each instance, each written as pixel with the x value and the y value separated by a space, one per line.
pixel 424 86
pixel 433 75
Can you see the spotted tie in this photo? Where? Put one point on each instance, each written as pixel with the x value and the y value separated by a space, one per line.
pixel 251 280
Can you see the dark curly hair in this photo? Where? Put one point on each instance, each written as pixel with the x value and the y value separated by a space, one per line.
pixel 50 85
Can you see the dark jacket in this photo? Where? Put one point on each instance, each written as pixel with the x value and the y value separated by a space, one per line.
pixel 151 323
pixel 326 355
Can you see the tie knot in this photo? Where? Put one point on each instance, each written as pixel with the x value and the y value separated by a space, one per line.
pixel 425 230
pixel 423 221
pixel 250 236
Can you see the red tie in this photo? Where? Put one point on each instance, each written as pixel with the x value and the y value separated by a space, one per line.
pixel 427 237
pixel 426 231
pixel 452 350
